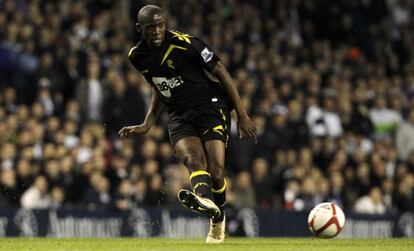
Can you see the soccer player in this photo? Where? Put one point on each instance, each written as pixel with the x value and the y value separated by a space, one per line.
pixel 188 78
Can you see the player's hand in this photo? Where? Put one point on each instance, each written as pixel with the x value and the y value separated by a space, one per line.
pixel 135 129
pixel 246 127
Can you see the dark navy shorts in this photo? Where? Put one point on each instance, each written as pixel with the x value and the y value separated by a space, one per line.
pixel 208 123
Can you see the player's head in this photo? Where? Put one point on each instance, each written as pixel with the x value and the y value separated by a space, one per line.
pixel 151 25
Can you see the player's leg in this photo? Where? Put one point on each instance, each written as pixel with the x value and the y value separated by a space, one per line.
pixel 215 134
pixel 215 153
pixel 215 127
pixel 191 152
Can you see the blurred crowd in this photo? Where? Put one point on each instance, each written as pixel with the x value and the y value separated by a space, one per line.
pixel 329 84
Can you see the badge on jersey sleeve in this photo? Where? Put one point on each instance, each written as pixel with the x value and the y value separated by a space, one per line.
pixel 206 54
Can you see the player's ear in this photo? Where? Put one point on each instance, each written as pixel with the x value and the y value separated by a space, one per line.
pixel 138 27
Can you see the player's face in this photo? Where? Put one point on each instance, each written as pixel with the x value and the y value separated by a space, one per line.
pixel 153 30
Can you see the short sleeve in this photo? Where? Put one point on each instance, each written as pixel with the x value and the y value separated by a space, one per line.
pixel 131 57
pixel 203 54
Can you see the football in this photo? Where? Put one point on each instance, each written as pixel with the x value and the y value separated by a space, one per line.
pixel 326 220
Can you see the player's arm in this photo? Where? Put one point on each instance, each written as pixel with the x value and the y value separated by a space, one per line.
pixel 152 114
pixel 245 124
pixel 206 58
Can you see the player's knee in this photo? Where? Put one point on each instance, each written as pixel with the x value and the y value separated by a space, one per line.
pixel 194 162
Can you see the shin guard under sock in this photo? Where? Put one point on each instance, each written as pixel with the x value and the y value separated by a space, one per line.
pixel 202 184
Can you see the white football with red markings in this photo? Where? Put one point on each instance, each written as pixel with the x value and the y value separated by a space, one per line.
pixel 326 220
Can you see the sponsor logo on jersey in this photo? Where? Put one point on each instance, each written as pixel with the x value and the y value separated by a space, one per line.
pixel 165 85
pixel 206 54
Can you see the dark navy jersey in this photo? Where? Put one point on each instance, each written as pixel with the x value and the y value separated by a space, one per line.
pixel 180 70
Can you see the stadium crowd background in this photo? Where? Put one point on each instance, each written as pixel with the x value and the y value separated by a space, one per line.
pixel 330 85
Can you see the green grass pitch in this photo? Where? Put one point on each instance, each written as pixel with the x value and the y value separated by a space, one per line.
pixel 156 244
